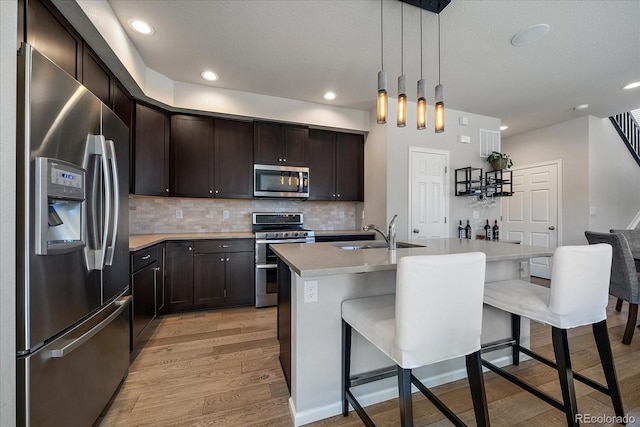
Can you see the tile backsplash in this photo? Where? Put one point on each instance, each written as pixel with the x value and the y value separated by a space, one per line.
pixel 149 215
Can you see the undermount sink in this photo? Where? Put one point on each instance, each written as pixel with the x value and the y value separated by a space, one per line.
pixel 373 245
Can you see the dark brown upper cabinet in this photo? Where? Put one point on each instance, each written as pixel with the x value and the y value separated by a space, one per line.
pixel 151 152
pixel 123 105
pixel 336 166
pixel 49 33
pixel 233 169
pixel 95 76
pixel 278 144
pixel 191 156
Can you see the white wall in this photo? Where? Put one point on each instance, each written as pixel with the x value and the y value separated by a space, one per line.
pixel 614 178
pixel 398 141
pixel 8 44
pixel 568 141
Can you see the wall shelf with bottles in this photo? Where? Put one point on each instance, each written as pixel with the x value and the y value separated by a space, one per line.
pixel 469 181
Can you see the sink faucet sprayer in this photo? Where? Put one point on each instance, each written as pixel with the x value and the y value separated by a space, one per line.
pixel 390 238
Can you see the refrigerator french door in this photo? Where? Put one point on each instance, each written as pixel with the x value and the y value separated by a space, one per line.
pixel 72 227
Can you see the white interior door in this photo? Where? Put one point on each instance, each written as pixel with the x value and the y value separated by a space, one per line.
pixel 428 193
pixel 531 214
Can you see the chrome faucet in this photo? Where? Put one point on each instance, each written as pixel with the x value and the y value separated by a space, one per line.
pixel 390 237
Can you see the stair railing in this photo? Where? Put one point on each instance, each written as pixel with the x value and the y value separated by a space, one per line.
pixel 629 131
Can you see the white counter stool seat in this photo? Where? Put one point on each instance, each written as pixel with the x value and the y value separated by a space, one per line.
pixel 578 296
pixel 417 327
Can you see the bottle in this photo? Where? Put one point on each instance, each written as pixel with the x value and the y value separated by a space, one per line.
pixel 461 234
pixel 467 230
pixel 487 231
pixel 496 230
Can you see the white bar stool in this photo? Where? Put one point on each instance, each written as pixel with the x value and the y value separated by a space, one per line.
pixel 416 327
pixel 578 296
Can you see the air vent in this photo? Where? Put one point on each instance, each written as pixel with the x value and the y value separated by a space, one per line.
pixel 489 141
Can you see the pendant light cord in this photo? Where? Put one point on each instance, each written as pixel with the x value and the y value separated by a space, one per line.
pixel 402 39
pixel 381 38
pixel 421 42
pixel 439 65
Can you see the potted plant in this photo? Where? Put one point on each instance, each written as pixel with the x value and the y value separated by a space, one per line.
pixel 499 160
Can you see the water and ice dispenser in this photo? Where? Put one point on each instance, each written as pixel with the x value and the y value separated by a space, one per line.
pixel 59 207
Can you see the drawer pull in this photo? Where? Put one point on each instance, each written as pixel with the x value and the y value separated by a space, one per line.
pixel 146 257
pixel 224 246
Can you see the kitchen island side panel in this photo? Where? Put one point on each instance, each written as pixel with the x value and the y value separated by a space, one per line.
pixel 316 342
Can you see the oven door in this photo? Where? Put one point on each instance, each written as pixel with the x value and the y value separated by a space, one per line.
pixel 266 285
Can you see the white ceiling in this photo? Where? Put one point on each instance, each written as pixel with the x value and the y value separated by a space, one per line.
pixel 301 49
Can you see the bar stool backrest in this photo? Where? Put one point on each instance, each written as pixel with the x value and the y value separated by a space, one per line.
pixel 439 306
pixel 579 284
pixel 624 277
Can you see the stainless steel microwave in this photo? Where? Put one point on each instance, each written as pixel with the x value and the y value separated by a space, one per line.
pixel 280 181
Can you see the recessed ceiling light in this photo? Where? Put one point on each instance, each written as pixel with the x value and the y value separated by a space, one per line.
pixel 632 85
pixel 581 107
pixel 209 75
pixel 530 35
pixel 329 96
pixel 504 127
pixel 141 26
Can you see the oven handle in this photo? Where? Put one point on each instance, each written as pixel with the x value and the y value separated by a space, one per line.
pixel 266 266
pixel 282 241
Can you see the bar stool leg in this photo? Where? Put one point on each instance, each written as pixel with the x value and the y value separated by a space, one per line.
pixel 601 336
pixel 346 365
pixel 515 335
pixel 565 374
pixel 404 391
pixel 619 304
pixel 476 384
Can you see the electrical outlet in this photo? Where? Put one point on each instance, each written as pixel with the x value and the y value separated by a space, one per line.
pixel 178 213
pixel 476 214
pixel 311 291
pixel 524 269
pixel 225 214
pixel 341 214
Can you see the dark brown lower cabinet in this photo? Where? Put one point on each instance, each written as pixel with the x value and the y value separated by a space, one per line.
pixel 145 275
pixel 209 274
pixel 284 319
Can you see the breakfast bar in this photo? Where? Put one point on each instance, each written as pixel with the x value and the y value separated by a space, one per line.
pixel 314 279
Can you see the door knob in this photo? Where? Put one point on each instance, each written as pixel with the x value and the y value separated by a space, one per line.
pixel 552 228
pixel 416 231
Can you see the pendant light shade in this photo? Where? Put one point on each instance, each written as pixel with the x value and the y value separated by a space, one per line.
pixel 439 115
pixel 402 101
pixel 382 97
pixel 439 101
pixel 422 104
pixel 382 102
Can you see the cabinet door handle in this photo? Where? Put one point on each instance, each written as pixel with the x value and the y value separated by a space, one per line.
pixel 552 228
pixel 338 196
pixel 166 190
pixel 227 259
pixel 280 160
pixel 285 160
pixel 146 257
pixel 210 191
pixel 217 192
pixel 190 248
pixel 224 246
pixel 221 259
pixel 416 231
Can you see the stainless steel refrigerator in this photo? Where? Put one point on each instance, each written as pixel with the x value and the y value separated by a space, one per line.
pixel 72 246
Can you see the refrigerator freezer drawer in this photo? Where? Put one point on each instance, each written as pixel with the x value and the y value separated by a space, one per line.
pixel 69 381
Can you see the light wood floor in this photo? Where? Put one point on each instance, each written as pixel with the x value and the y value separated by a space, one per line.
pixel 221 368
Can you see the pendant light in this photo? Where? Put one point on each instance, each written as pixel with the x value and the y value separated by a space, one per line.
pixel 402 80
pixel 382 78
pixel 439 101
pixel 421 106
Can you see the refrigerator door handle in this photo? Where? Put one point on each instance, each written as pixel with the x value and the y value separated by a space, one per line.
pixel 69 347
pixel 99 147
pixel 111 154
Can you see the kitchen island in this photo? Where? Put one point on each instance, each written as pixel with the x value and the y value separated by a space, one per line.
pixel 309 323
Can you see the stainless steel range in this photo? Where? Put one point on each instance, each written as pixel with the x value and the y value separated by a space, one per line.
pixel 271 228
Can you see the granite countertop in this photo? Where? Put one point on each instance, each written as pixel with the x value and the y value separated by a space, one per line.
pixel 323 259
pixel 142 241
